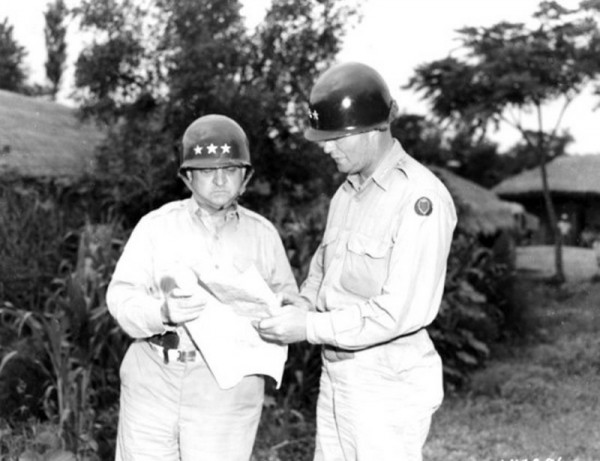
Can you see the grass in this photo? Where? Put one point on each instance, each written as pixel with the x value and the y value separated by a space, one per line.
pixel 538 399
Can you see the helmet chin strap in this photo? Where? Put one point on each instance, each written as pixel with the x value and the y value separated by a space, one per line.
pixel 248 175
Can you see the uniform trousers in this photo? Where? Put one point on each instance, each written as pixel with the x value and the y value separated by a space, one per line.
pixel 377 404
pixel 176 411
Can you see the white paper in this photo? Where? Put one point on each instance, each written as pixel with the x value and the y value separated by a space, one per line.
pixel 224 333
pixel 245 291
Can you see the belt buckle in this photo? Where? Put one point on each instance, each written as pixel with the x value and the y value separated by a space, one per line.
pixel 186 356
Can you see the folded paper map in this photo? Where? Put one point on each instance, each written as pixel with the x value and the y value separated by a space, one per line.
pixel 223 333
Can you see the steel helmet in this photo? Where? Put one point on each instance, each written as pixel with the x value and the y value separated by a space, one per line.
pixel 348 99
pixel 214 141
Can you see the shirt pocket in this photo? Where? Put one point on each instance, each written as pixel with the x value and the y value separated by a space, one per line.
pixel 365 265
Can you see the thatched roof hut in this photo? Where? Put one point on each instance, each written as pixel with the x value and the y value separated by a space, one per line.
pixel 480 210
pixel 569 174
pixel 43 139
pixel 573 181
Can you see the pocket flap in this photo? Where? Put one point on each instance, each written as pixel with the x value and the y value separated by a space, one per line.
pixel 363 245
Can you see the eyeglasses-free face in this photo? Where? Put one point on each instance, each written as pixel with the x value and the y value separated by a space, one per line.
pixel 216 188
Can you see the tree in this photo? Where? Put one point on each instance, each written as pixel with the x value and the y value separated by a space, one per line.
pixel 297 41
pixel 421 138
pixel 12 73
pixel 510 68
pixel 148 74
pixel 115 69
pixel 55 33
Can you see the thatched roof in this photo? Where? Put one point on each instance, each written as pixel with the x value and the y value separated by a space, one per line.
pixel 571 174
pixel 39 138
pixel 479 209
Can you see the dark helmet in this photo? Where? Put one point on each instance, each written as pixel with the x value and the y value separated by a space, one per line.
pixel 348 99
pixel 214 141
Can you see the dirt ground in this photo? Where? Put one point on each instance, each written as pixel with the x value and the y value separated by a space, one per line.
pixel 579 263
pixel 540 398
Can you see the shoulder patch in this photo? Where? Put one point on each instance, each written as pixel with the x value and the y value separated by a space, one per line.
pixel 423 206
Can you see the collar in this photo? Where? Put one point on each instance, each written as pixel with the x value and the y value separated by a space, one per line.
pixel 395 159
pixel 232 212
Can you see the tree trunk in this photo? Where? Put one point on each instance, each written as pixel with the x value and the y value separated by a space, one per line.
pixel 559 275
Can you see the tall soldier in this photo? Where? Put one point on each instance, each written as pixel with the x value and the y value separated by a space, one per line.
pixel 376 280
pixel 172 408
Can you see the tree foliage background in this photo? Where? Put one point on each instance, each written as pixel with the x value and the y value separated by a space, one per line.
pixel 510 69
pixel 12 70
pixel 55 34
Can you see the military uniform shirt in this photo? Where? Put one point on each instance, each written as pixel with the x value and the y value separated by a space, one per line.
pixel 179 235
pixel 379 271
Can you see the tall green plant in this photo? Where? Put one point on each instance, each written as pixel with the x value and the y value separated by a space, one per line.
pixel 81 343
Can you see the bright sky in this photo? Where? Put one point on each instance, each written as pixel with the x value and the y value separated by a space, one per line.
pixel 394 37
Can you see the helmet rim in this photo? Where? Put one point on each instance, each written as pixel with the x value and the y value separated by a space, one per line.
pixel 313 134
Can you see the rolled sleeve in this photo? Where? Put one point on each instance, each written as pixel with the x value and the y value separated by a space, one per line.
pixel 319 329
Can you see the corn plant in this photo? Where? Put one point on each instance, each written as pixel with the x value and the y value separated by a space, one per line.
pixel 77 336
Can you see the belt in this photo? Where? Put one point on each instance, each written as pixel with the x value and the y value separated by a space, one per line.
pixel 335 354
pixel 165 346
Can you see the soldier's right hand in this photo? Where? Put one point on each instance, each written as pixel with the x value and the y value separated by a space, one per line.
pixel 181 306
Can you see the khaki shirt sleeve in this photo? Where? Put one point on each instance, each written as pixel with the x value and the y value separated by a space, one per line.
pixel 130 296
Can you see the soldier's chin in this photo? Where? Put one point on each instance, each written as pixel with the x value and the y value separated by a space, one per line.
pixel 342 167
pixel 220 200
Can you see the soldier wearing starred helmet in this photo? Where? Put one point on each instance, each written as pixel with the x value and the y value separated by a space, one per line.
pixel 174 404
pixel 375 281
pixel 215 162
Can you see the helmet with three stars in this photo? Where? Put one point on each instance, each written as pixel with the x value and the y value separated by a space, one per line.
pixel 214 141
pixel 347 99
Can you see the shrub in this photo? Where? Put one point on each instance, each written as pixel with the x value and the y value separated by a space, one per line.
pixel 471 313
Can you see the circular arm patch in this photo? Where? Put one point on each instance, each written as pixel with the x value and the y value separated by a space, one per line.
pixel 423 206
